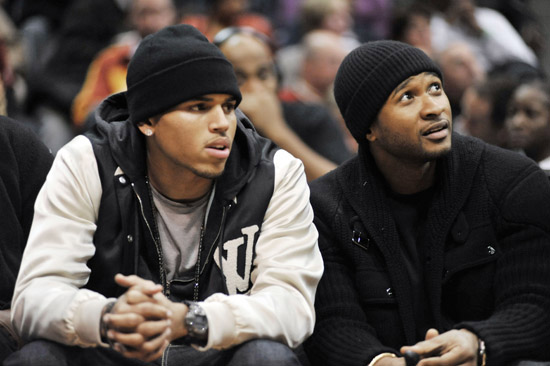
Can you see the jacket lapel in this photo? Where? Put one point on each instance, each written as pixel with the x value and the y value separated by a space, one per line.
pixel 364 189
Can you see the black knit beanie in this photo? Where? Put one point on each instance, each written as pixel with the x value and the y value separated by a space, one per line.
pixel 173 65
pixel 369 74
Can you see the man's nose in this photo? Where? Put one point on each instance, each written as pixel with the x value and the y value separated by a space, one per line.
pixel 433 106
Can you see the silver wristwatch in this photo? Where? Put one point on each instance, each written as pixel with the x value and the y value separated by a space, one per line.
pixel 196 324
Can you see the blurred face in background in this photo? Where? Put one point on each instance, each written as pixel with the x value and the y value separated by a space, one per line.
pixel 150 16
pixel 323 54
pixel 528 120
pixel 417 32
pixel 460 70
pixel 476 115
pixel 339 19
pixel 252 61
pixel 226 10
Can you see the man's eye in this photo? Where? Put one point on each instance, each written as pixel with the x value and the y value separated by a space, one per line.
pixel 406 96
pixel 265 73
pixel 435 87
pixel 197 107
pixel 531 113
pixel 229 107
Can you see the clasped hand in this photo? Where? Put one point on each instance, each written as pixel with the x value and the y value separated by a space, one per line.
pixel 143 321
pixel 452 348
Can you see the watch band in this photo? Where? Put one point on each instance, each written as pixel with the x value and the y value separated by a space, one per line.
pixel 482 353
pixel 196 324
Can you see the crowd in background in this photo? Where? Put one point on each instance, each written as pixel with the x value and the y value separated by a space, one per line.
pixel 59 59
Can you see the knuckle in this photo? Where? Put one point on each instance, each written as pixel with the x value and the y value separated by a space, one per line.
pixel 149 347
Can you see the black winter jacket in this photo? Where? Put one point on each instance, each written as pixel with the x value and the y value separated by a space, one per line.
pixel 487 234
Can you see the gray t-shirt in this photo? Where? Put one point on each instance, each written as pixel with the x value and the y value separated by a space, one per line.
pixel 179 225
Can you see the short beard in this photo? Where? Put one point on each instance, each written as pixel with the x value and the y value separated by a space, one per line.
pixel 206 175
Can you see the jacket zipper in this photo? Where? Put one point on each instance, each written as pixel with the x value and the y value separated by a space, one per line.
pixel 222 224
pixel 157 246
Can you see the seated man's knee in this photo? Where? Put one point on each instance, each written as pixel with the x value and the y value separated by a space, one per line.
pixel 264 352
pixel 39 353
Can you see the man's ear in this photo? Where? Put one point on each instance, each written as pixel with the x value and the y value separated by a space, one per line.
pixel 147 127
pixel 371 135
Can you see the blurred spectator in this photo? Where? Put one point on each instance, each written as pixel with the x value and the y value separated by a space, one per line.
pixel 305 130
pixel 460 69
pixel 522 17
pixel 11 66
pixel 308 75
pixel 227 13
pixel 107 73
pixel 331 15
pixel 484 109
pixel 490 35
pixel 528 121
pixel 86 27
pixel 321 54
pixel 37 21
pixel 411 24
pixel 517 70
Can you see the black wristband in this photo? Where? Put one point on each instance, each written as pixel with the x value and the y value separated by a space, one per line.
pixel 411 358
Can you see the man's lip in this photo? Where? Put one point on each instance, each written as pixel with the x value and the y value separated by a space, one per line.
pixel 436 126
pixel 220 142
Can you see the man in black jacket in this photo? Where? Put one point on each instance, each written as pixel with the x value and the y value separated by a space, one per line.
pixel 171 229
pixel 433 242
pixel 25 164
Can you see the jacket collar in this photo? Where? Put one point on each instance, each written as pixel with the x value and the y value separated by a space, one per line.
pixel 364 186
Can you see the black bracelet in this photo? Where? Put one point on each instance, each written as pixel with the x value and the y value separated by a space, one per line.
pixel 411 358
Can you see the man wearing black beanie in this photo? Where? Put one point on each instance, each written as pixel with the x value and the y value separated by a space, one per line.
pixel 436 246
pixel 171 232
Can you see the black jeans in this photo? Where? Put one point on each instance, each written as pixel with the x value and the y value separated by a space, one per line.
pixel 255 352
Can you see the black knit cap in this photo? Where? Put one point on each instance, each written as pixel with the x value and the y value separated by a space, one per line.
pixel 369 74
pixel 173 65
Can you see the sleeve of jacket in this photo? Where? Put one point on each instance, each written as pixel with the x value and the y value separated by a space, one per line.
pixel 49 301
pixel 342 335
pixel 287 268
pixel 518 328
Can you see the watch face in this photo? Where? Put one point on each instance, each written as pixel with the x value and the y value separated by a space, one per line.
pixel 196 322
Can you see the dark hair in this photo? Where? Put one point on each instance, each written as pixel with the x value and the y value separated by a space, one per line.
pixel 518 70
